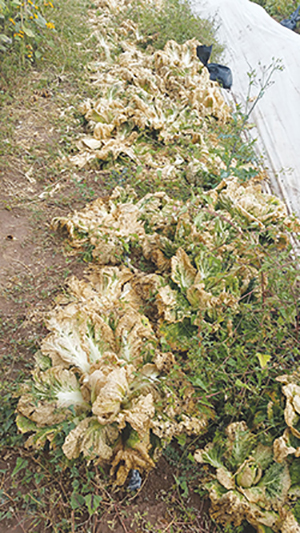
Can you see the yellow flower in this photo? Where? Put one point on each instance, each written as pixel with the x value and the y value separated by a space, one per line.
pixel 35 16
pixel 12 20
pixel 50 25
pixel 29 2
pixel 50 4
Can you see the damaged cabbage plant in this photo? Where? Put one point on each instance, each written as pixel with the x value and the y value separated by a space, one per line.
pixel 155 108
pixel 289 443
pixel 216 295
pixel 102 380
pixel 107 374
pixel 151 103
pixel 252 481
pixel 208 254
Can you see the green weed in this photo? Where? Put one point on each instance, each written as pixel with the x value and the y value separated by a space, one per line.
pixel 277 8
pixel 174 22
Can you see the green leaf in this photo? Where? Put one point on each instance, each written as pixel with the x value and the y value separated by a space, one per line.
pixel 263 455
pixel 183 486
pixel 92 502
pixel 40 21
pixel 20 465
pixel 198 382
pixel 181 439
pixel 28 32
pixel 242 446
pixel 296 511
pixel 263 359
pixel 4 39
pixel 25 425
pixel 214 456
pixel 178 335
pixel 241 385
pixel 77 500
pixel 275 481
pixel 294 469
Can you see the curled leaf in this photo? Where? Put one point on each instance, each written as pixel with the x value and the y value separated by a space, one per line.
pixel 92 439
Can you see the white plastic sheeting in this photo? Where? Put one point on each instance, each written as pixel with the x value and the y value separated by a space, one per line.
pixel 252 41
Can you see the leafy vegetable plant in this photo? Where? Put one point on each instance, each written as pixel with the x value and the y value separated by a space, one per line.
pixel 214 262
pixel 102 372
pixel 247 483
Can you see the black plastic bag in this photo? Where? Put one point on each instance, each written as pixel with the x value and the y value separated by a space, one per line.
pixel 291 22
pixel 219 73
pixel 204 53
pixel 135 480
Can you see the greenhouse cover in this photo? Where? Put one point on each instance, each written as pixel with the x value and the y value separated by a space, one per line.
pixel 253 42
